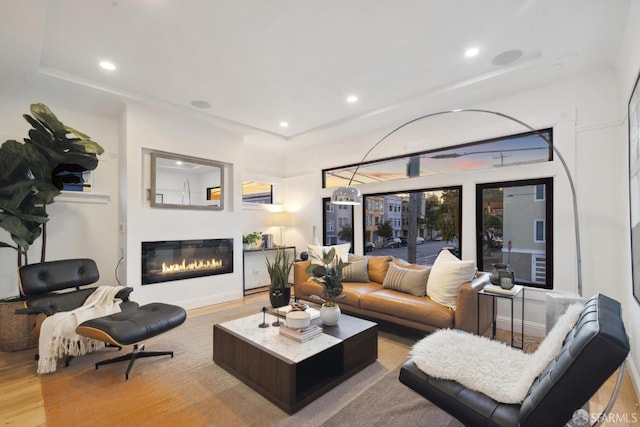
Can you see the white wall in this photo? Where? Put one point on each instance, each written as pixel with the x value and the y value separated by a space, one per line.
pixel 629 68
pixel 152 128
pixel 115 218
pixel 587 120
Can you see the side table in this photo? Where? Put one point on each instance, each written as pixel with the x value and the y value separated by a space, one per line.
pixel 517 290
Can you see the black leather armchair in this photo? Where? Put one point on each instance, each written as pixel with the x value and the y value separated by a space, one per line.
pixel 50 287
pixel 55 286
pixel 592 351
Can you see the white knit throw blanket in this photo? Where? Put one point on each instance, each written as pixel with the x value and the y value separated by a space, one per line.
pixel 58 336
pixel 490 367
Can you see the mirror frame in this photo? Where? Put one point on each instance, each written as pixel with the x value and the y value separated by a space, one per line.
pixel 188 159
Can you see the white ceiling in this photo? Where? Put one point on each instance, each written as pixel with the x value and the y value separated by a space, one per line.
pixel 260 62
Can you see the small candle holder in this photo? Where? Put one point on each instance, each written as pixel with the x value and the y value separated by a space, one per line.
pixel 264 324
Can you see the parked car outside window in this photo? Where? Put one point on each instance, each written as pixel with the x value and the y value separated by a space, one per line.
pixel 393 242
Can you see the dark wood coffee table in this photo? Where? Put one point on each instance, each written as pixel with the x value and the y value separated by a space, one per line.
pixel 288 373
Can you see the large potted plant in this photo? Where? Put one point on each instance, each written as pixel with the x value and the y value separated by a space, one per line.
pixel 328 274
pixel 279 269
pixel 33 173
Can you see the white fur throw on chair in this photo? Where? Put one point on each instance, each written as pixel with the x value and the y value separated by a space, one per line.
pixel 490 367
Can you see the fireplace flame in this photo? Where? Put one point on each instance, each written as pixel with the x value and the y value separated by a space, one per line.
pixel 202 264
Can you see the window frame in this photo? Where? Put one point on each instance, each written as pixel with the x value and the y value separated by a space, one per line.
pixel 537 221
pixel 326 201
pixel 260 198
pixel 440 151
pixel 548 225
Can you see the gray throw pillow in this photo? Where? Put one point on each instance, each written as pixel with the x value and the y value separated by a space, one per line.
pixel 356 271
pixel 406 280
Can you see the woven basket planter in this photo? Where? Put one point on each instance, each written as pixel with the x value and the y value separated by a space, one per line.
pixel 16 329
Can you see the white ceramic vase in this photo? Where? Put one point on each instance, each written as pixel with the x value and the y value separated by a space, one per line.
pixel 330 315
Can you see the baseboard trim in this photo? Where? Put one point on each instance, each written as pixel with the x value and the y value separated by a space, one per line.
pixel 530 328
pixel 210 300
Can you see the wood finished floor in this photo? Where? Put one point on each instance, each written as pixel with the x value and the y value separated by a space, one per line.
pixel 22 403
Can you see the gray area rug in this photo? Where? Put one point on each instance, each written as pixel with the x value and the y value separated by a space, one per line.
pixel 390 403
pixel 190 389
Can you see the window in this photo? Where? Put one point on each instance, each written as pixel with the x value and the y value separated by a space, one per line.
pixel 538 231
pixel 512 150
pixel 343 218
pixel 257 192
pixel 330 228
pixel 75 181
pixel 430 218
pixel 505 212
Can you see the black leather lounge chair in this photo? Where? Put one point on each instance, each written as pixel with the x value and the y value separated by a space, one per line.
pixel 41 285
pixel 591 353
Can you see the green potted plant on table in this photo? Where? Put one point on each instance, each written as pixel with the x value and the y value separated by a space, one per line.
pixel 328 274
pixel 279 269
pixel 252 240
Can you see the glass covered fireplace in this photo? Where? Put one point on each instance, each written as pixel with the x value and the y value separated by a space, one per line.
pixel 163 261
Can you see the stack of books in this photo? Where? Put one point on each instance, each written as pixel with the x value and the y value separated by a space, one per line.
pixel 301 335
pixel 282 311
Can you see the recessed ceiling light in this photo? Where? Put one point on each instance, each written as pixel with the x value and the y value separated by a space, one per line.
pixel 351 99
pixel 200 104
pixel 471 52
pixel 107 65
pixel 284 124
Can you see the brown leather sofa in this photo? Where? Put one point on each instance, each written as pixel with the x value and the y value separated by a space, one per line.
pixel 371 300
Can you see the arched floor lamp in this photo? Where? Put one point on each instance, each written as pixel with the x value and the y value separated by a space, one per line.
pixel 351 195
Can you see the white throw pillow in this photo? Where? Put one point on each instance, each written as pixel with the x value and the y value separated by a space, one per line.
pixel 447 275
pixel 342 251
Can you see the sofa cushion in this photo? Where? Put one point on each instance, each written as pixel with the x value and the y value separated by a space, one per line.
pixel 354 291
pixel 447 275
pixel 357 271
pixel 409 307
pixel 342 252
pixel 406 280
pixel 351 293
pixel 378 266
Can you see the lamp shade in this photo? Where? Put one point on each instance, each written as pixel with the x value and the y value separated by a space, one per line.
pixel 348 195
pixel 280 219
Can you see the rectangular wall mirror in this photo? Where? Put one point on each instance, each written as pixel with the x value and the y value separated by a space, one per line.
pixel 186 182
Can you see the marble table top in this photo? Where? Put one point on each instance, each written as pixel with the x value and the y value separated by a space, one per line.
pixel 270 338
